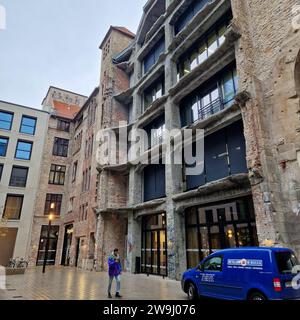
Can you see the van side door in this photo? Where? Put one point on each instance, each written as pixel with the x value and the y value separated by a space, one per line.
pixel 211 277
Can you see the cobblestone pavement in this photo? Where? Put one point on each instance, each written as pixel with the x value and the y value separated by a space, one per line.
pixel 75 284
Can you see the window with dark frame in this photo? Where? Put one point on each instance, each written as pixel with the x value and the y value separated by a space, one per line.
pixel 57 174
pixel 53 204
pixel 23 150
pixel 18 177
pixel 230 224
pixel 217 94
pixel 3 146
pixel 60 147
pixel 154 54
pixel 63 125
pixel 13 207
pixel 153 92
pixel 189 13
pixel 28 125
pixel 6 119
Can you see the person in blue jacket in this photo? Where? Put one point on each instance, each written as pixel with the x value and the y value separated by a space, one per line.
pixel 114 271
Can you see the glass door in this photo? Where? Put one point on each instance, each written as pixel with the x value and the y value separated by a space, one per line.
pixel 228 225
pixel 154 245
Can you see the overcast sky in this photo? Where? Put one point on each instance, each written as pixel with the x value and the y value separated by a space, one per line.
pixel 55 42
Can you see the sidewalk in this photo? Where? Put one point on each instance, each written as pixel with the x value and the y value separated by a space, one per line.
pixel 74 284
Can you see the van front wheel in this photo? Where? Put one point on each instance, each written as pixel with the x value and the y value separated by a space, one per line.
pixel 192 292
pixel 257 296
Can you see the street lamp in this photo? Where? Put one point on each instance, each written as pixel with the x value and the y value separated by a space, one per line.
pixel 51 217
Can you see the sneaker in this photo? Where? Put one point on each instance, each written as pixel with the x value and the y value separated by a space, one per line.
pixel 109 296
pixel 118 295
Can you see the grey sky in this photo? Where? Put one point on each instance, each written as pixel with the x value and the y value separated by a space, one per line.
pixel 55 42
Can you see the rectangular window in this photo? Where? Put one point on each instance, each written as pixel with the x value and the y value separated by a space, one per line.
pixel 190 12
pixel 18 177
pixel 13 207
pixel 154 92
pixel 28 125
pixel 60 147
pixel 23 150
pixel 202 49
pixel 210 98
pixel 156 131
pixel 153 56
pixel 3 146
pixel 6 119
pixel 1 169
pixel 53 204
pixel 74 171
pixel 57 174
pixel 63 125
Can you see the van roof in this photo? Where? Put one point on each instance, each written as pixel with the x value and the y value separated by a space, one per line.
pixel 275 249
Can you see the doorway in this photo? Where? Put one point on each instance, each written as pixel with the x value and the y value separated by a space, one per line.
pixel 65 261
pixel 154 245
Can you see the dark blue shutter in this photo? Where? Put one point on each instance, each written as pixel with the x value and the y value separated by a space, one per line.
pixel 149 184
pixel 194 181
pixel 237 148
pixel 216 160
pixel 160 183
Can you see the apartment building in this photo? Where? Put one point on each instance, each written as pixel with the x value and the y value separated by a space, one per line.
pixel 230 68
pixel 55 173
pixel 22 137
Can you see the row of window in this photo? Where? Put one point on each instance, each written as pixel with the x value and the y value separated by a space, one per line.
pixel 210 98
pixel 201 51
pixel 27 126
pixel 14 204
pixel 225 155
pixel 191 11
pixel 23 148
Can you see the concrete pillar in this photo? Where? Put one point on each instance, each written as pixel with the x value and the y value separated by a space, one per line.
pixel 133 242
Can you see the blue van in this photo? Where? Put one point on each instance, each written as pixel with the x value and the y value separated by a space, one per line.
pixel 244 274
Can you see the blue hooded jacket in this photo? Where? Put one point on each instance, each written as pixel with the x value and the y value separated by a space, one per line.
pixel 114 268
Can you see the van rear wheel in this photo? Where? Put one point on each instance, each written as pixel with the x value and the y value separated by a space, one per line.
pixel 192 292
pixel 257 296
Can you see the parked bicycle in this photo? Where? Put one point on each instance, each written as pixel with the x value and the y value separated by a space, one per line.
pixel 17 263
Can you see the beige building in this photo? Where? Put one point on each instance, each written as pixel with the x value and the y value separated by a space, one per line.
pixel 53 194
pixel 22 137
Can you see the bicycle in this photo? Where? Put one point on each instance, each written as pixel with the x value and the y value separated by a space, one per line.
pixel 16 263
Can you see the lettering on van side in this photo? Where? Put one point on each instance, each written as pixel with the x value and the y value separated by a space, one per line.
pixel 208 277
pixel 245 263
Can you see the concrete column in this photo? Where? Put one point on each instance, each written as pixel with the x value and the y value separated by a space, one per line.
pixel 133 242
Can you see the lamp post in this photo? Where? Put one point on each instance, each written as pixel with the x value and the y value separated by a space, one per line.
pixel 47 242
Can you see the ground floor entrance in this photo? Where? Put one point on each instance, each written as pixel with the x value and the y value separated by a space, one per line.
pixel 53 232
pixel 218 226
pixel 7 244
pixel 154 245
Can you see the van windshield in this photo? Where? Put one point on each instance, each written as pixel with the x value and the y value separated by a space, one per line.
pixel 286 261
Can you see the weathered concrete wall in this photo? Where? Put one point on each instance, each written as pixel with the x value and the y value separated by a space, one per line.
pixel 266 57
